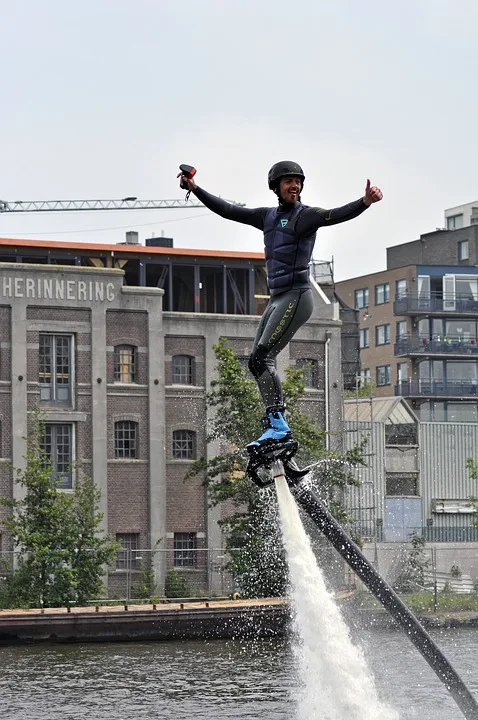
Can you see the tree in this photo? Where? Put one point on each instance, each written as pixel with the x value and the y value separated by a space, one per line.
pixel 417 565
pixel 366 390
pixel 252 534
pixel 57 535
pixel 472 467
pixel 175 586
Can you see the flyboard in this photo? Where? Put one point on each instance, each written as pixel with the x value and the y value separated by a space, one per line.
pixel 267 464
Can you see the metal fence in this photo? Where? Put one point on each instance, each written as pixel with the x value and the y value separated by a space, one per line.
pixel 200 572
pixel 134 575
pixel 452 564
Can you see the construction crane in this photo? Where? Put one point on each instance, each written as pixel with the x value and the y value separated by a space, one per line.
pixel 127 203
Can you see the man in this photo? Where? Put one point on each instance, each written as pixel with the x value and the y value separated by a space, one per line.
pixel 289 237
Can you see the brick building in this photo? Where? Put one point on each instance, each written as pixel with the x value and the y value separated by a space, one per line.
pixel 115 345
pixel 418 324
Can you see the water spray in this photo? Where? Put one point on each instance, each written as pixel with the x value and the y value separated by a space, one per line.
pixel 308 499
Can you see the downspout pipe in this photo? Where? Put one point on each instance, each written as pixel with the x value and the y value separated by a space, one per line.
pixel 328 336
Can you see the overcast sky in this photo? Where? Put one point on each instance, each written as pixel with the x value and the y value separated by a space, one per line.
pixel 105 98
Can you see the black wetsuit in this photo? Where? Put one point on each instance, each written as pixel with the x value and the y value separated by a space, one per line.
pixel 289 236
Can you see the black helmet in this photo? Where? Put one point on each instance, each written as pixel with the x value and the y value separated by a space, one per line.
pixel 281 169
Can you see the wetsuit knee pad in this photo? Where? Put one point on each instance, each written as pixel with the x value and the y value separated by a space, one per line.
pixel 257 361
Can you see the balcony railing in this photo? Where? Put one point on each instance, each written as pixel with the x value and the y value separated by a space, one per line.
pixel 437 388
pixel 437 345
pixel 413 303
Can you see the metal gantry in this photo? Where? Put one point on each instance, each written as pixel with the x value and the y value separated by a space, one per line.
pixel 128 203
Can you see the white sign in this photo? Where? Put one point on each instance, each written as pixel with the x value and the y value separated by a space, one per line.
pixel 57 289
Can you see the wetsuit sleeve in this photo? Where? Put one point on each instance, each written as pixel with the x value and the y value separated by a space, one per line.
pixel 315 217
pixel 247 216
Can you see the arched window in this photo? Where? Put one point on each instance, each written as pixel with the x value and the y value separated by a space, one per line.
pixel 125 363
pixel 183 370
pixel 126 439
pixel 184 445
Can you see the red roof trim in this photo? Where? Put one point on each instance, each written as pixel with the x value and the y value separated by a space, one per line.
pixel 84 248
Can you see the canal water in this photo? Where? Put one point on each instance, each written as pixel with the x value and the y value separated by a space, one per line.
pixel 257 680
pixel 323 671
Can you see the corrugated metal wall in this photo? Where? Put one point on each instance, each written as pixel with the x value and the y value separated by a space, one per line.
pixel 366 503
pixel 444 449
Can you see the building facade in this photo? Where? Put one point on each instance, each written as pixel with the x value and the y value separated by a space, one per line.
pixel 120 372
pixel 418 325
pixel 461 216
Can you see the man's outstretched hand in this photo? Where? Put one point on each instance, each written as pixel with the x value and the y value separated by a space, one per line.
pixel 187 181
pixel 373 194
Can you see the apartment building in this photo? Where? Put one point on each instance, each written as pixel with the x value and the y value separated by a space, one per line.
pixel 418 324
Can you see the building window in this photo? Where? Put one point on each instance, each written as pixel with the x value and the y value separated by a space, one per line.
pixel 365 377
pixel 462 412
pixel 382 294
pixel 401 329
pixel 310 368
pixel 126 439
pixel 361 298
pixel 128 558
pixel 401 434
pixel 400 289
pixel 125 364
pixel 55 369
pixel 364 337
pixel 185 549
pixel 383 375
pixel 184 445
pixel 58 446
pixel 382 335
pixel 454 222
pixel 183 366
pixel 401 484
pixel 402 372
pixel 463 250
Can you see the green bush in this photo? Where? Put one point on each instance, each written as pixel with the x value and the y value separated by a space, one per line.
pixel 175 585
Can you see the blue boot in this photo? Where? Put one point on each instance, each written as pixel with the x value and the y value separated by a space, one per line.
pixel 276 429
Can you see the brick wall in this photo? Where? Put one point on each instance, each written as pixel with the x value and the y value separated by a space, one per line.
pixel 435 248
pixel 127 328
pixel 192 346
pixel 58 314
pixel 128 494
pixel 5 340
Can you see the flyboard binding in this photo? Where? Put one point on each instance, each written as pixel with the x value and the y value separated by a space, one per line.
pixel 262 458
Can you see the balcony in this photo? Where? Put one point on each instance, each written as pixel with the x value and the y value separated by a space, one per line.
pixel 459 389
pixel 453 345
pixel 434 304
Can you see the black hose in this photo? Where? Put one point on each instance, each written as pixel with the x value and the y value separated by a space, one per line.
pixel 314 506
